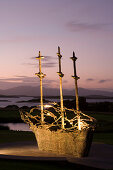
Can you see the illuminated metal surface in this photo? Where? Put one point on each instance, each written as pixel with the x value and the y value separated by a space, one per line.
pixel 76 89
pixel 41 76
pixel 61 94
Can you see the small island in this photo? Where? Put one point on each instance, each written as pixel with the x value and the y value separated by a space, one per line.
pixel 32 101
pixel 5 101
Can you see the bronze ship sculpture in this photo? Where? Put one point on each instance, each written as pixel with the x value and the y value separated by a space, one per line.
pixel 59 129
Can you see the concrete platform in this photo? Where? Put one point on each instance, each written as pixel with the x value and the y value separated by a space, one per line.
pixel 100 156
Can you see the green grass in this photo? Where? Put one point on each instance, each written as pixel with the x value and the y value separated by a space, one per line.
pixel 14 136
pixel 106 138
pixel 104 121
pixel 4 113
pixel 101 115
pixel 9 115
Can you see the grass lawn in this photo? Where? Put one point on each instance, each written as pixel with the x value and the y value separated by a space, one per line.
pixel 10 115
pixel 7 136
pixel 106 138
pixel 104 121
pixel 108 116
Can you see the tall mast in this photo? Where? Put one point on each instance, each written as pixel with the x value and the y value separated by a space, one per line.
pixel 61 94
pixel 41 76
pixel 74 58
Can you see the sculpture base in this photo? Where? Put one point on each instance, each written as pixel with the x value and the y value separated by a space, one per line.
pixel 76 143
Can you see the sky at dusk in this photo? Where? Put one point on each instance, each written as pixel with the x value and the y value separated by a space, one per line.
pixel 83 26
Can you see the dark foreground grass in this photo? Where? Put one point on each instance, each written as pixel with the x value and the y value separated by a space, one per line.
pixel 7 136
pixel 106 138
pixel 104 121
pixel 10 115
pixel 40 165
pixel 16 136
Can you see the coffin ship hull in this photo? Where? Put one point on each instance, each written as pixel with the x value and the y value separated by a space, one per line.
pixel 76 143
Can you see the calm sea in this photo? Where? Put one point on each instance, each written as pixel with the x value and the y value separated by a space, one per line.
pixel 14 101
pixel 17 126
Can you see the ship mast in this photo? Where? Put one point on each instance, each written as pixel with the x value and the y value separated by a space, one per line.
pixel 41 76
pixel 74 58
pixel 61 94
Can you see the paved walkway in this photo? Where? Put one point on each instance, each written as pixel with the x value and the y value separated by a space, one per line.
pixel 100 156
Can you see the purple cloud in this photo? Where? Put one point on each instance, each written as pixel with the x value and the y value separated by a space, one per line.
pixel 24 80
pixel 19 79
pixel 90 79
pixel 74 26
pixel 104 80
pixel 47 61
pixel 45 64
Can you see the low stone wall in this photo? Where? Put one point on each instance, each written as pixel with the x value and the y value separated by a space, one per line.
pixel 76 144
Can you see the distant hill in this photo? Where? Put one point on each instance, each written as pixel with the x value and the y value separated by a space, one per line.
pixel 87 92
pixel 98 97
pixel 35 91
